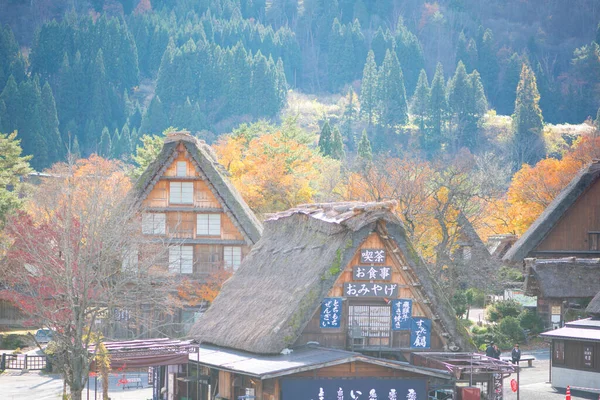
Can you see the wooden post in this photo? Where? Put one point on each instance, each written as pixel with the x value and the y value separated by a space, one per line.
pixel 3 362
pixel 25 361
pixel 225 382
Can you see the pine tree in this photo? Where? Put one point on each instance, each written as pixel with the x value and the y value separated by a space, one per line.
pixel 105 145
pixel 337 145
pixel 462 53
pixel 392 105
pixel 364 147
pixel 488 62
pixel 420 101
pixel 459 92
pixel 438 112
pixel 528 122
pixel 369 88
pixel 326 139
pixel 50 130
pixel 410 54
pixel 348 118
pixel 156 120
pixel 335 56
pixel 13 166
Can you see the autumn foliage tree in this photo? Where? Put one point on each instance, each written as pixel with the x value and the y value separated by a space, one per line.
pixel 533 188
pixel 71 259
pixel 274 168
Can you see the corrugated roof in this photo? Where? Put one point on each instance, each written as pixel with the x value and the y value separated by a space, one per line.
pixel 300 359
pixel 583 329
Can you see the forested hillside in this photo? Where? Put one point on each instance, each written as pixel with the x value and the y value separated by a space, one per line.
pixel 428 78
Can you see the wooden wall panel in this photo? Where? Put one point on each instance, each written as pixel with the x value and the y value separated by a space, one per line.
pixel 571 232
pixel 203 196
pixel 229 230
pixel 225 384
pixel 158 196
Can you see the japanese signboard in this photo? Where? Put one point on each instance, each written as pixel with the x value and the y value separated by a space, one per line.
pixel 353 389
pixel 401 314
pixel 331 312
pixel 370 289
pixel 588 352
pixel 420 333
pixel 372 256
pixel 372 273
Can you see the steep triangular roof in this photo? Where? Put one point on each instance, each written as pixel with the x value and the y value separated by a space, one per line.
pixel 594 306
pixel 542 226
pixel 214 175
pixel 266 305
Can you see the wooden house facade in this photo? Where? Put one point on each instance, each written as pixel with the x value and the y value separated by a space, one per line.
pixel 341 278
pixel 560 252
pixel 194 222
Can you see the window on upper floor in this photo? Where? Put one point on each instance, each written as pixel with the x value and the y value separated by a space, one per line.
pixel 208 224
pixel 232 257
pixel 181 168
pixel 467 252
pixel 153 223
pixel 181 193
pixel 594 240
pixel 181 259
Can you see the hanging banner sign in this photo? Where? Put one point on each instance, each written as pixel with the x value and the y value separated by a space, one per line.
pixel 401 314
pixel 353 389
pixel 331 312
pixel 420 333
pixel 371 290
pixel 372 256
pixel 372 273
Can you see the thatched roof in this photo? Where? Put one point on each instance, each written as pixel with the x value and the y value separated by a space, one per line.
pixel 553 213
pixel 498 245
pixel 594 306
pixel 562 278
pixel 213 173
pixel 265 306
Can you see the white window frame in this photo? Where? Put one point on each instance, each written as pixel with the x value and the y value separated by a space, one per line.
pixel 208 224
pixel 181 168
pixel 181 192
pixel 232 257
pixel 154 223
pixel 181 259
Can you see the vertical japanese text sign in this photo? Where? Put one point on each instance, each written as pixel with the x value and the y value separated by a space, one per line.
pixel 401 314
pixel 420 333
pixel 331 312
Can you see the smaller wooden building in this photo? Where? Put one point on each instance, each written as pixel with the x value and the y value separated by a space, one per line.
pixel 575 358
pixel 312 372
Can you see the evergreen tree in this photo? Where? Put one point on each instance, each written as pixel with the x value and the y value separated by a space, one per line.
pixel 364 147
pixel 420 102
pixel 348 118
pixel 30 124
pixel 393 107
pixel 337 145
pixel 156 120
pixel 438 113
pixel 13 166
pixel 410 54
pixel 505 100
pixel 369 88
pixel 527 120
pixel 488 62
pixel 459 92
pixel 105 145
pixel 380 44
pixel 50 130
pixel 326 139
pixel 462 53
pixel 335 56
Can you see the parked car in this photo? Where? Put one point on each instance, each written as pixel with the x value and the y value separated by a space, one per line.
pixel 44 335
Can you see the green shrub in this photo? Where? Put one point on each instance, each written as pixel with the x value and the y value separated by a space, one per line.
pixel 475 297
pixel 479 330
pixel 12 341
pixel 459 302
pixel 466 323
pixel 510 331
pixel 508 274
pixel 501 309
pixel 530 320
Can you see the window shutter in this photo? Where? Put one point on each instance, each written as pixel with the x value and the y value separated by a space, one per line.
pixel 202 224
pixel 214 224
pixel 181 168
pixel 232 256
pixel 187 192
pixel 147 226
pixel 187 259
pixel 174 259
pixel 159 224
pixel 175 192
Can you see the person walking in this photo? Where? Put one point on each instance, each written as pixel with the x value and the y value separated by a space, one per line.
pixel 490 351
pixel 515 354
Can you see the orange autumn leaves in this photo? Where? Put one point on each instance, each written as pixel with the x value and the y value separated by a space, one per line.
pixel 273 171
pixel 533 188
